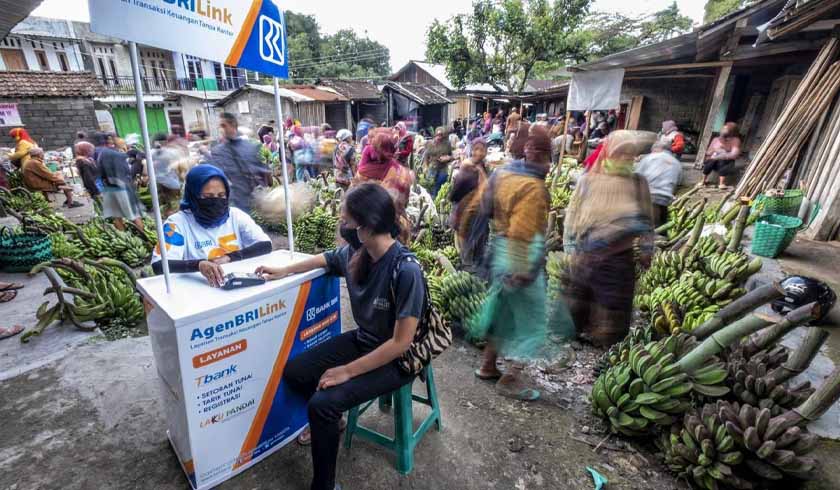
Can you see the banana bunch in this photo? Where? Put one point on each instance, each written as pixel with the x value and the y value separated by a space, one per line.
pixel 64 248
pixel 649 389
pixel 462 295
pixel 710 245
pixel 21 200
pixel 775 447
pixel 52 222
pixel 442 203
pixel 103 295
pixel 556 268
pixel 735 267
pixel 561 194
pixel 665 269
pixel 620 351
pixel 435 284
pixel 315 231
pixel 752 384
pixel 100 239
pixel 702 452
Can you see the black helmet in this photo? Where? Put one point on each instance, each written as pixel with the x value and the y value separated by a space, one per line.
pixel 801 290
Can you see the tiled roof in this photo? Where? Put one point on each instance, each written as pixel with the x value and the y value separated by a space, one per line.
pixel 352 89
pixel 49 84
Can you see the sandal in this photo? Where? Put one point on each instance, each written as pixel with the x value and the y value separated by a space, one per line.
pixel 305 437
pixel 74 204
pixel 10 286
pixel 5 333
pixel 7 296
pixel 482 375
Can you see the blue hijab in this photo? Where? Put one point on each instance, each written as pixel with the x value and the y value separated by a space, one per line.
pixel 197 177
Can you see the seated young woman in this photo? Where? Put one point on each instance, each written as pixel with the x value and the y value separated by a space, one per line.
pixel 358 365
pixel 207 233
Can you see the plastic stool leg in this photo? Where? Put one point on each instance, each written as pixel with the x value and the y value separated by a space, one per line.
pixel 404 429
pixel 431 391
pixel 352 421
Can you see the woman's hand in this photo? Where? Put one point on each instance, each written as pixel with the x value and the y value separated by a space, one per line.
pixel 334 377
pixel 212 272
pixel 271 273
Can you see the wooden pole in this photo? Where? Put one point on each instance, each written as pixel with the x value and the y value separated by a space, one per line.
pixel 562 150
pixel 714 109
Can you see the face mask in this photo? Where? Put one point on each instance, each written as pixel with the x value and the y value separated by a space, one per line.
pixel 212 208
pixel 351 236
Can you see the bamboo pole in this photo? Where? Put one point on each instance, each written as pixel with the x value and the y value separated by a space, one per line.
pixel 562 150
pixel 828 160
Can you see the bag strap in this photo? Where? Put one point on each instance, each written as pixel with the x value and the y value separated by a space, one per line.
pixel 395 271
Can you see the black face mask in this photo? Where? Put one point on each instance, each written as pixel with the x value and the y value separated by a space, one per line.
pixel 211 209
pixel 351 236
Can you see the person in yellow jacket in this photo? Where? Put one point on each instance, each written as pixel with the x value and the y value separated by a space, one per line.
pixel 23 144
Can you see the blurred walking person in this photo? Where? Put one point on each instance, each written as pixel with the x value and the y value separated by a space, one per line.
pixel 436 159
pixel 239 159
pixel 609 212
pixel 119 196
pixel 513 317
pixel 405 144
pixel 87 169
pixel 663 172
pixel 344 159
pixel 467 188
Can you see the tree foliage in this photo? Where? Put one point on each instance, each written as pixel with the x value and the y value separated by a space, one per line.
pixel 501 41
pixel 344 54
pixel 608 33
pixel 715 9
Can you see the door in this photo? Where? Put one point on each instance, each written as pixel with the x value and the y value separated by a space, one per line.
pixel 176 121
pixel 14 60
pixel 635 112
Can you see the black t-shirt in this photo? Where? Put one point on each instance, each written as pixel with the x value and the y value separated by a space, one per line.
pixel 372 302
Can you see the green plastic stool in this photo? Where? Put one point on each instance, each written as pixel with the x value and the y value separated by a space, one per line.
pixel 405 437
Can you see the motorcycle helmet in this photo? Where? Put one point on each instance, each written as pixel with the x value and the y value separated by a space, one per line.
pixel 801 290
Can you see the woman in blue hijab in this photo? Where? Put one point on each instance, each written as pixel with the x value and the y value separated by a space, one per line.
pixel 207 233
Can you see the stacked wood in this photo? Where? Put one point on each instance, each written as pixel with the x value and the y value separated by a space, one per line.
pixel 787 138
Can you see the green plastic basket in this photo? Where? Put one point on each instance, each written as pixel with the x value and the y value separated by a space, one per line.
pixel 787 205
pixel 20 252
pixel 773 234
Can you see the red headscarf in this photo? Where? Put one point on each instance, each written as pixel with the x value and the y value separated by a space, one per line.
pixel 84 149
pixel 20 134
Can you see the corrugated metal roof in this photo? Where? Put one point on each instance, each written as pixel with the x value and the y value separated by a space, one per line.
pixel 678 48
pixel 201 94
pixel 49 84
pixel 268 89
pixel 14 11
pixel 438 72
pixel 315 93
pixel 422 94
pixel 295 93
pixel 352 89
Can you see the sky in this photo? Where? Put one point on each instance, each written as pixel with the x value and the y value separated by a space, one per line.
pixel 401 29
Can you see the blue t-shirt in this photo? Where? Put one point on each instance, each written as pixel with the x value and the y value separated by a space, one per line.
pixel 372 301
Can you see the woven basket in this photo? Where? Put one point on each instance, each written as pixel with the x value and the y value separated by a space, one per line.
pixel 773 234
pixel 787 205
pixel 20 252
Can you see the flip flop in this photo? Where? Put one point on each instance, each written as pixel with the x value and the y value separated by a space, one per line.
pixel 10 286
pixel 7 296
pixel 305 437
pixel 487 377
pixel 5 333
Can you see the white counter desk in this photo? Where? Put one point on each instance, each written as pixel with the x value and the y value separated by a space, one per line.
pixel 220 357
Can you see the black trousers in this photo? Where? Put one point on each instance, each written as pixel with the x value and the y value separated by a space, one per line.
pixel 325 407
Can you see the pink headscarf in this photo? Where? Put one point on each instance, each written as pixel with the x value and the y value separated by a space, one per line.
pixel 84 149
pixel 402 129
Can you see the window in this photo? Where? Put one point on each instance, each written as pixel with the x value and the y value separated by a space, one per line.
pixel 113 68
pixel 14 59
pixel 42 60
pixel 62 60
pixel 102 73
pixel 217 71
pixel 194 68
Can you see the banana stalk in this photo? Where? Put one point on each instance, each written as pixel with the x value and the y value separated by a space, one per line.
pixel 738 232
pixel 739 308
pixel 695 235
pixel 771 336
pixel 801 357
pixel 741 328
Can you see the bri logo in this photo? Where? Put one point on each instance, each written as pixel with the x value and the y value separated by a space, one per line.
pixel 313 312
pixel 272 41
pixel 210 378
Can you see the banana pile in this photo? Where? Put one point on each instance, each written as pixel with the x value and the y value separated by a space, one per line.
pixel 619 352
pixel 702 452
pixel 461 296
pixel 650 389
pixel 103 295
pixel 315 231
pixel 64 248
pixel 775 447
pixel 429 259
pixel 101 239
pixel 754 382
pixel 442 202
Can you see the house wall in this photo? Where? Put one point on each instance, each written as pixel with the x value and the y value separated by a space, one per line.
pixel 196 116
pixel 412 74
pixel 51 48
pixel 261 110
pixel 52 121
pixel 683 100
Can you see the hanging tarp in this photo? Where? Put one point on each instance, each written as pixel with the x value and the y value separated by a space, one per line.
pixel 595 90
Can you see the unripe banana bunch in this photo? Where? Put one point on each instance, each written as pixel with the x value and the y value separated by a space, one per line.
pixel 462 295
pixel 315 231
pixel 735 267
pixel 62 247
pixel 435 283
pixel 775 447
pixel 650 389
pixel 702 452
pixel 442 203
pixel 620 351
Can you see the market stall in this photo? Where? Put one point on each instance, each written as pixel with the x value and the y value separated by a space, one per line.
pixel 220 356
